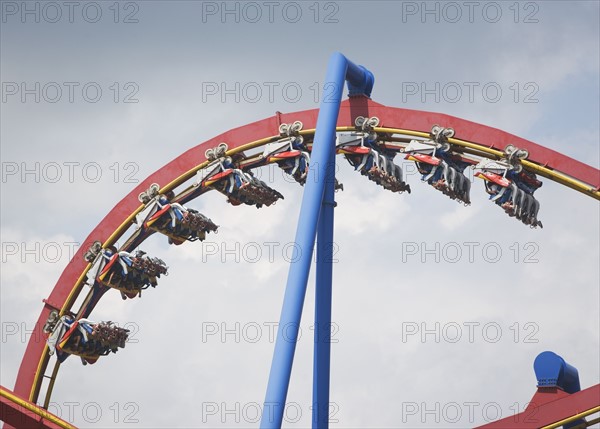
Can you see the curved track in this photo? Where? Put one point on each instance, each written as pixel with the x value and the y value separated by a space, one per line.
pixel 398 126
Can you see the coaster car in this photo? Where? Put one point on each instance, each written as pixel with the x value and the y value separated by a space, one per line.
pixel 511 187
pixel 129 273
pixel 291 156
pixel 361 150
pixel 177 222
pixel 239 186
pixel 438 166
pixel 84 338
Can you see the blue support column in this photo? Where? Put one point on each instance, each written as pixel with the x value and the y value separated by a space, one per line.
pixel 360 81
pixel 322 353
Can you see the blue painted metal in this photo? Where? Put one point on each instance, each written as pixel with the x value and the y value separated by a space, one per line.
pixel 323 292
pixel 338 70
pixel 551 370
pixel 360 80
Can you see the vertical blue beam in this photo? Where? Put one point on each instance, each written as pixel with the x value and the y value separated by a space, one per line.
pixel 322 352
pixel 359 80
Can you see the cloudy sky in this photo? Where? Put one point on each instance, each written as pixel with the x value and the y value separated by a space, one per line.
pixel 98 95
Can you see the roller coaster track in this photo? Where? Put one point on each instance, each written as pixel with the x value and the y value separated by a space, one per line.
pixel 398 127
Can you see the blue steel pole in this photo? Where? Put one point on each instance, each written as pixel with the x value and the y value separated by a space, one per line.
pixel 287 333
pixel 322 352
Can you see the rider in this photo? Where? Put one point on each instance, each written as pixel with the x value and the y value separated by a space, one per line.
pixel 176 210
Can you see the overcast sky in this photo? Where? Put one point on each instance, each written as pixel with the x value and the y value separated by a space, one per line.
pixel 97 96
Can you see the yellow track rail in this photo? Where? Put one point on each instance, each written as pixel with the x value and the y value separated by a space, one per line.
pixel 556 176
pixel 36 410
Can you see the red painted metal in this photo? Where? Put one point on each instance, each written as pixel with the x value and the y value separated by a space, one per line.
pixel 550 405
pixel 284 155
pixel 493 177
pixel 19 417
pixel 427 159
pixel 360 150
pixel 389 117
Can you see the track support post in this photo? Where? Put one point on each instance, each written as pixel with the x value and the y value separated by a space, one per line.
pixel 323 295
pixel 360 82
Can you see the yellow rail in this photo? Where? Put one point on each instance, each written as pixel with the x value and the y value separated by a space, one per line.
pixel 556 176
pixel 44 414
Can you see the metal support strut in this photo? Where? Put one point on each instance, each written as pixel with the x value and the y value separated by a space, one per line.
pixel 322 352
pixel 360 81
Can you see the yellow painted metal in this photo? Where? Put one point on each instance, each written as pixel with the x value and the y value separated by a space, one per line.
pixel 36 410
pixel 51 385
pixel 548 173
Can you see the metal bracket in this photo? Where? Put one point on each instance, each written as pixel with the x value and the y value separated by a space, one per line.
pixel 147 196
pixel 367 125
pixel 441 134
pixel 92 253
pixel 289 130
pixel 216 152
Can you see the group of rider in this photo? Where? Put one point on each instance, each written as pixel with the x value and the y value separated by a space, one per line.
pixel 132 272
